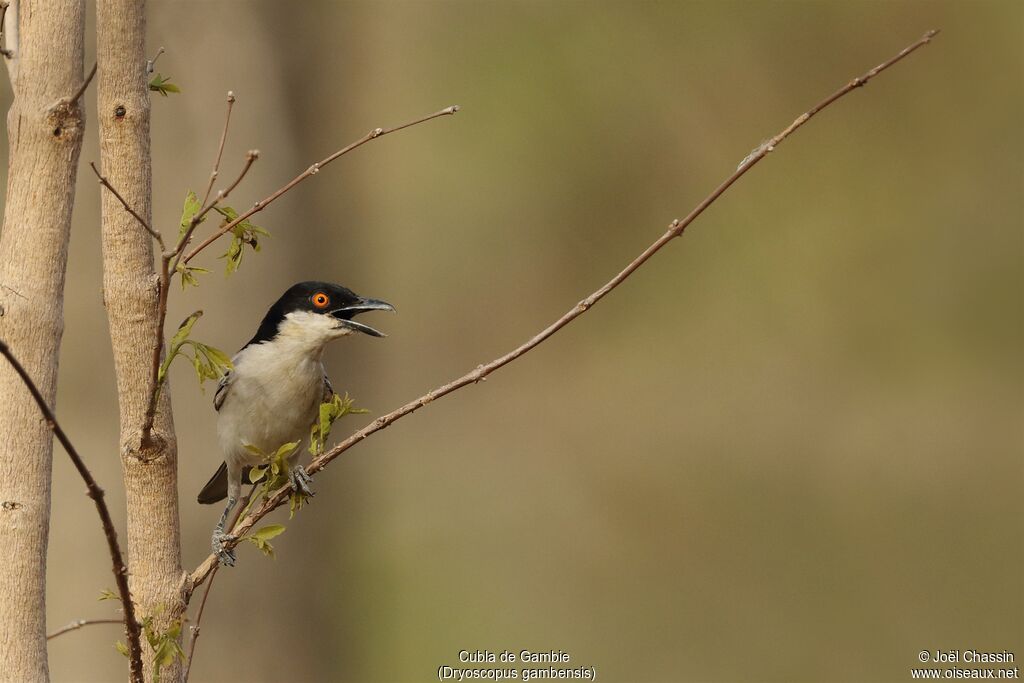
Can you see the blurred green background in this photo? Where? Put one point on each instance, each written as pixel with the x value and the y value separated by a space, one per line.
pixel 788 449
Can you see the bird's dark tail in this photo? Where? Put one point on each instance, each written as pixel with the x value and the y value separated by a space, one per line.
pixel 217 488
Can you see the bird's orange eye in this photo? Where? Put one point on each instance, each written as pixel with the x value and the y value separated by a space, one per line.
pixel 320 300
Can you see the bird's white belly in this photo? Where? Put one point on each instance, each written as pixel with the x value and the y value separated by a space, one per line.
pixel 269 405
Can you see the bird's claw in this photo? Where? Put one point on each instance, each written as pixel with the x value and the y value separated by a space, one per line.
pixel 300 481
pixel 225 555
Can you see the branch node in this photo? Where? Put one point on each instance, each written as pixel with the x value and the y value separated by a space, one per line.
pixel 376 132
pixel 68 101
pixel 151 64
pixel 231 96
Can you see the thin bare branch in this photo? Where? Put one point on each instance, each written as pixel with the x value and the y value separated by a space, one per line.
pixel 151 63
pixel 120 569
pixel 103 181
pixel 243 506
pixel 79 623
pixel 81 91
pixel 313 170
pixel 250 158
pixel 196 626
pixel 675 229
pixel 220 148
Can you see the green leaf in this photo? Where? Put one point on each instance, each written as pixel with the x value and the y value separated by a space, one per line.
pixel 184 329
pixel 226 211
pixel 256 473
pixel 188 275
pixel 285 449
pixel 107 594
pixel 242 234
pixel 330 411
pixel 174 347
pixel 295 502
pixel 209 363
pixel 218 358
pixel 164 644
pixel 261 538
pixel 189 211
pixel 269 531
pixel 147 630
pixel 233 255
pixel 163 85
pixel 122 648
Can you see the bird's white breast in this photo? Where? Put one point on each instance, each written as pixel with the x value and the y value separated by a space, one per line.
pixel 276 388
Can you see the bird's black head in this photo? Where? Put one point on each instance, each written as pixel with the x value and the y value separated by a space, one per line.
pixel 319 310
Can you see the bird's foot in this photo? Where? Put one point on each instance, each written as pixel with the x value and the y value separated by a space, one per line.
pixel 225 555
pixel 300 481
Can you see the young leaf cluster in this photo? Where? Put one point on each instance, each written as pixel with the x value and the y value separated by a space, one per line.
pixel 188 213
pixel 261 538
pixel 209 362
pixel 188 275
pixel 330 411
pixel 162 84
pixel 163 643
pixel 273 473
pixel 242 234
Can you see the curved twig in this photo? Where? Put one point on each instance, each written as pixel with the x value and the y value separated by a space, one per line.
pixel 81 90
pixel 313 170
pixel 155 234
pixel 675 229
pixel 79 623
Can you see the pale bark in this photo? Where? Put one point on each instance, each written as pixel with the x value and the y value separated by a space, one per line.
pixel 45 138
pixel 130 295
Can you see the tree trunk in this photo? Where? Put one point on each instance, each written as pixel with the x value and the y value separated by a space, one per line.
pixel 130 295
pixel 45 137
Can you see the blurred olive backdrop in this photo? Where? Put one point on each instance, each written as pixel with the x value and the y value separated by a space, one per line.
pixel 788 449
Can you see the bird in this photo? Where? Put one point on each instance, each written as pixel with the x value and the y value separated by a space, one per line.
pixel 272 394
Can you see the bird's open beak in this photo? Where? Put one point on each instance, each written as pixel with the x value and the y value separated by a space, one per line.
pixel 346 313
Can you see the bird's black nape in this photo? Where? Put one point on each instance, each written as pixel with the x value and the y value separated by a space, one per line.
pixel 313 296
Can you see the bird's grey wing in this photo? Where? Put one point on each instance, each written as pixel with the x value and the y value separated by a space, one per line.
pixel 223 387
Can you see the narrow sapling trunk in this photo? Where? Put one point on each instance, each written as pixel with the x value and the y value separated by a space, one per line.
pixel 44 129
pixel 130 290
